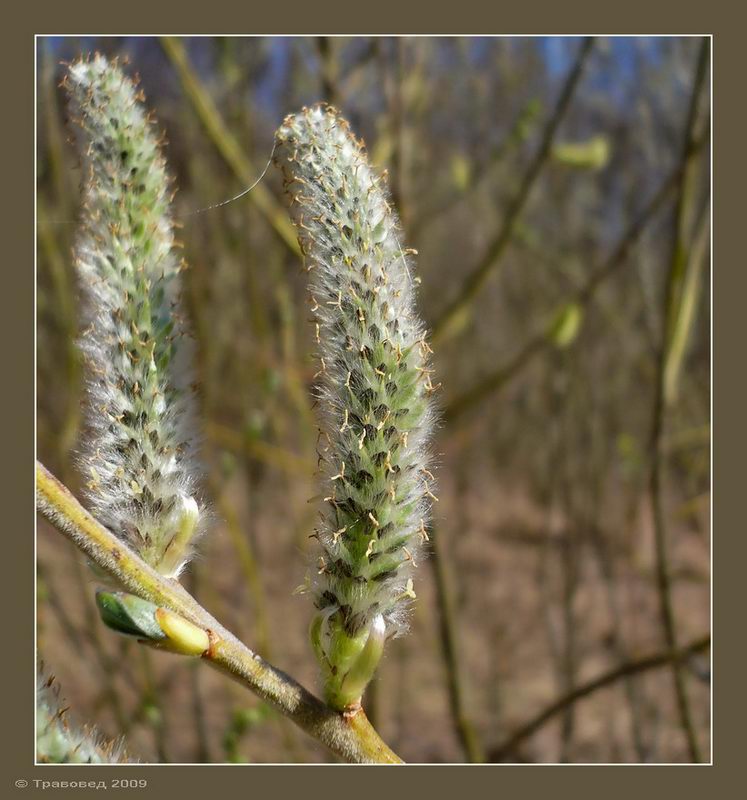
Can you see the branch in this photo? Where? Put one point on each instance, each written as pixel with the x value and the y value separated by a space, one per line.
pixel 623 671
pixel 448 627
pixel 674 278
pixel 351 737
pixel 541 340
pixel 226 145
pixel 445 324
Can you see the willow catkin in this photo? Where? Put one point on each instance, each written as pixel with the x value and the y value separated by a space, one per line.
pixel 375 389
pixel 59 742
pixel 139 458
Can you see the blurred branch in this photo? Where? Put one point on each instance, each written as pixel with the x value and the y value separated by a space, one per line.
pixel 329 68
pixel 448 322
pixel 350 737
pixel 543 339
pixel 633 667
pixel 447 627
pixel 226 144
pixel 674 278
pixel 226 437
pixel 482 173
pixel 249 567
pixel 64 302
pixel 685 314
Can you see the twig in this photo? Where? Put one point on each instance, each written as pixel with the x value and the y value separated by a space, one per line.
pixel 447 627
pixel 482 174
pixel 289 462
pixel 541 340
pixel 475 280
pixel 328 69
pixel 226 144
pixel 350 737
pixel 634 667
pixel 663 578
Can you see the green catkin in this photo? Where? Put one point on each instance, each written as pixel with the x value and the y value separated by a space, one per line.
pixel 139 458
pixel 58 742
pixel 375 389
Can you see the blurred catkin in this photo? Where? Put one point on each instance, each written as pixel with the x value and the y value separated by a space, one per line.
pixel 374 387
pixel 139 457
pixel 58 742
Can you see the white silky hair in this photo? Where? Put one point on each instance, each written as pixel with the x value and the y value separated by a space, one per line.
pixel 356 263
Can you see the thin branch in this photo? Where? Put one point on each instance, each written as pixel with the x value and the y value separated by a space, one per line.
pixel 448 634
pixel 541 340
pixel 628 669
pixel 328 68
pixel 482 174
pixel 476 279
pixel 676 266
pixel 351 737
pixel 225 143
pixel 230 439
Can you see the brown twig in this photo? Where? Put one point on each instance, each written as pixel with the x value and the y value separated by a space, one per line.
pixel 226 144
pixel 465 730
pixel 634 667
pixel 541 340
pixel 476 279
pixel 663 578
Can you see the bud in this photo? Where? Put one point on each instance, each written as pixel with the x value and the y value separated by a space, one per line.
pixel 566 325
pixel 592 154
pixel 348 662
pixel 60 742
pixel 158 627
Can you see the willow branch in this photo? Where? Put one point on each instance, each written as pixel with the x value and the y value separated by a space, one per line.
pixel 625 670
pixel 448 627
pixel 226 144
pixel 350 737
pixel 445 324
pixel 541 340
pixel 674 277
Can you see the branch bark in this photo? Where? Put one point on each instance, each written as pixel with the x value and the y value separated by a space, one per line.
pixel 352 738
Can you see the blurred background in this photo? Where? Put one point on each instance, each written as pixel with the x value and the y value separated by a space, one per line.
pixel 557 191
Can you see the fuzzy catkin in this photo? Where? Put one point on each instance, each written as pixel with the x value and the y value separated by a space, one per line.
pixel 375 384
pixel 58 742
pixel 139 459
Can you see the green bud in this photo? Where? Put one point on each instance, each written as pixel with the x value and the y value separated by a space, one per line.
pixel 592 154
pixel 348 661
pixel 128 614
pixel 566 325
pixel 158 627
